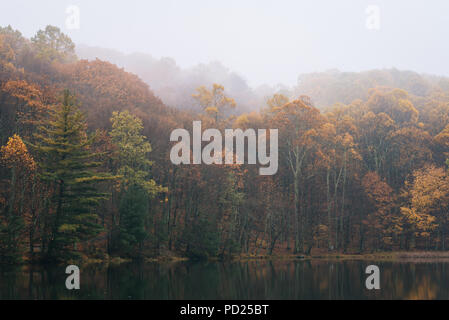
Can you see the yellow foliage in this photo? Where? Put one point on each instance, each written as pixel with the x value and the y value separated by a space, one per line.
pixel 15 154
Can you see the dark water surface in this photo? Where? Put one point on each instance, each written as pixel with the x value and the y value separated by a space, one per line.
pixel 314 279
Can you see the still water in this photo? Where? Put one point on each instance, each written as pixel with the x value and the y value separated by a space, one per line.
pixel 306 279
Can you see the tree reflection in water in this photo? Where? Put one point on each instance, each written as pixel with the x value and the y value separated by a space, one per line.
pixel 260 279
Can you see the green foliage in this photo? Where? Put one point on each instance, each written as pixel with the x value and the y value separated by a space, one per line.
pixel 136 187
pixel 133 149
pixel 53 45
pixel 133 210
pixel 67 166
pixel 11 230
pixel 203 238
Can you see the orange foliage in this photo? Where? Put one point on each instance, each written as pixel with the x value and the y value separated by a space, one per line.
pixel 15 154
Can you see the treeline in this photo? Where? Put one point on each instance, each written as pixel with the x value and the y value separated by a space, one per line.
pixel 85 168
pixel 328 88
pixel 173 84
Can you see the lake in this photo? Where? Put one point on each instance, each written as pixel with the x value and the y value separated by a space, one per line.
pixel 256 279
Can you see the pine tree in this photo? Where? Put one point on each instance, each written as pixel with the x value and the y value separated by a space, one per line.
pixel 67 165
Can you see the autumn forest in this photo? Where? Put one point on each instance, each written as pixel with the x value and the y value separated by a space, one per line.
pixel 85 170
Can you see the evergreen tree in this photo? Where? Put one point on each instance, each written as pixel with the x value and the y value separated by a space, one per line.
pixel 136 187
pixel 67 165
pixel 133 210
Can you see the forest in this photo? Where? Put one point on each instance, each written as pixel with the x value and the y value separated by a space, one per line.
pixel 85 170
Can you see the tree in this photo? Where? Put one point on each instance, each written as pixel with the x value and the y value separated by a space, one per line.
pixel 53 45
pixel 214 102
pixel 427 204
pixel 27 105
pixel 202 238
pixel 395 104
pixel 298 122
pixel 381 222
pixel 276 102
pixel 136 187
pixel 12 220
pixel 232 222
pixel 133 148
pixel 275 206
pixel 103 88
pixel 11 45
pixel 68 167
pixel 133 209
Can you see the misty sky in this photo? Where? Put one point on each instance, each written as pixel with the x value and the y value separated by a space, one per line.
pixel 265 41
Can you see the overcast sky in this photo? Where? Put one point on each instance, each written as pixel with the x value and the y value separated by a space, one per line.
pixel 265 41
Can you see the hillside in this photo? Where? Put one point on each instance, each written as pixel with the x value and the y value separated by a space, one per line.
pixel 87 170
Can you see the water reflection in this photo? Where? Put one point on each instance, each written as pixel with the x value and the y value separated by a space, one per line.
pixel 316 279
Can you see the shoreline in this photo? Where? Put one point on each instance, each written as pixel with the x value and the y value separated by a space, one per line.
pixel 394 256
pixel 385 255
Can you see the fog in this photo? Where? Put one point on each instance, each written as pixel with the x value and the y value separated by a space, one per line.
pixel 175 85
pixel 265 41
pixel 252 47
